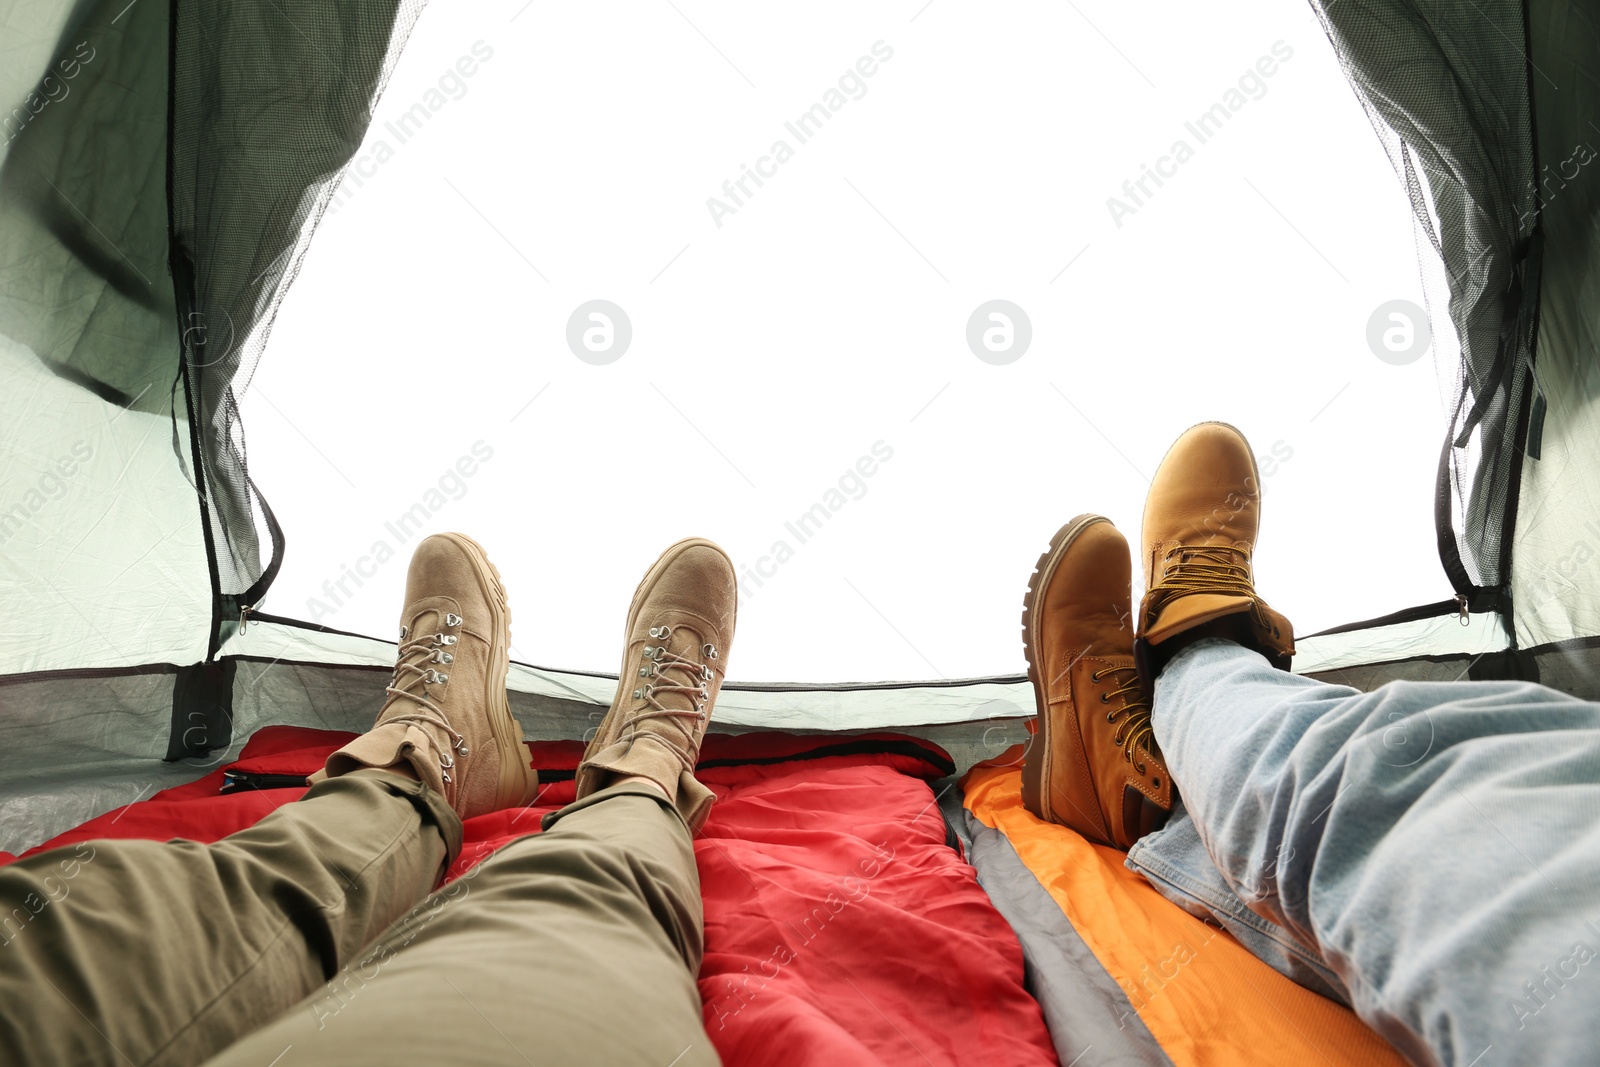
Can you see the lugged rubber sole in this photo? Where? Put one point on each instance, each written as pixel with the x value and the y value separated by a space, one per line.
pixel 1035 778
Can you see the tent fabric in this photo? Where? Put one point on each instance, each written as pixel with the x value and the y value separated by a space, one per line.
pixel 83 213
pixel 1197 991
pixel 74 746
pixel 1447 91
pixel 875 705
pixel 1556 566
pixel 840 925
pixel 102 561
pixel 162 168
pixel 255 156
pixel 881 705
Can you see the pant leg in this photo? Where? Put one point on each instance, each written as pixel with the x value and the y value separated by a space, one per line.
pixel 146 952
pixel 579 945
pixel 1175 862
pixel 1438 842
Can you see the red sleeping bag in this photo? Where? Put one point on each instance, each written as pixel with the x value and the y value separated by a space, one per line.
pixel 840 926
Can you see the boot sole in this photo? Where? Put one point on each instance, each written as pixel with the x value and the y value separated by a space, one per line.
pixel 503 726
pixel 604 733
pixel 1035 777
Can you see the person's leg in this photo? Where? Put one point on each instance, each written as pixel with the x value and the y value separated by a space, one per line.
pixel 146 952
pixel 149 952
pixel 1439 843
pixel 577 945
pixel 1175 862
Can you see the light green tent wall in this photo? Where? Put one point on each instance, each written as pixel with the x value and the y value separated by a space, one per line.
pixel 101 555
pixel 1556 568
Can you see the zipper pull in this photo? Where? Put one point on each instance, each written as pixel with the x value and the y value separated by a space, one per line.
pixel 1465 617
pixel 244 617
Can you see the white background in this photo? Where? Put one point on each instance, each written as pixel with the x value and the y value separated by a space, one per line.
pixel 829 312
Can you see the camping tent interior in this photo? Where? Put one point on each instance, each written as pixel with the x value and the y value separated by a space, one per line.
pixel 800 351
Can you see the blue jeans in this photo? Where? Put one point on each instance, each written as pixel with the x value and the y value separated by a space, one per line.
pixel 1427 853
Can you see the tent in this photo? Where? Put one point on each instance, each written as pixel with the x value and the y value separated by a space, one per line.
pixel 165 168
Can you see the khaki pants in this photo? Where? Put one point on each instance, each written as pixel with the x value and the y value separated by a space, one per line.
pixel 312 937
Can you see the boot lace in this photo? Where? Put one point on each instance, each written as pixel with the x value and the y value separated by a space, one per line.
pixel 691 679
pixel 414 671
pixel 1131 715
pixel 1207 569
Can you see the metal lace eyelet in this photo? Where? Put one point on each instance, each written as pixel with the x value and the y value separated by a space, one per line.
pixel 446 776
pixel 403 631
pixel 452 619
pixel 647 672
pixel 638 694
pixel 447 639
pixel 1095 677
pixel 1105 698
pixel 659 631
pixel 1111 717
pixel 441 656
pixel 709 651
pixel 446 760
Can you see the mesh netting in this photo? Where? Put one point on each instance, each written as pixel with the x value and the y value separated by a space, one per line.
pixel 270 102
pixel 1446 87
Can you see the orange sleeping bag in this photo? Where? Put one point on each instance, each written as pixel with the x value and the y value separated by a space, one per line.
pixel 1202 997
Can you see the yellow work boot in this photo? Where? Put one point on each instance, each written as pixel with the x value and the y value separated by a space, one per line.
pixel 1093 764
pixel 1200 524
pixel 674 659
pixel 447 717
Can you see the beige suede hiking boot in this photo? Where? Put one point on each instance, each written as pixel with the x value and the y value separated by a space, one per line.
pixel 1200 524
pixel 674 659
pixel 447 716
pixel 1094 764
